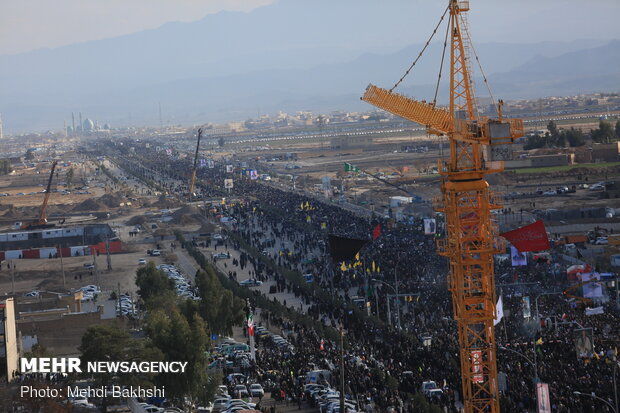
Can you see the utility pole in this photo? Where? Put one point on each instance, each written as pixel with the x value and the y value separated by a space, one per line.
pixel 107 249
pixel 397 296
pixel 13 276
pixel 341 370
pixel 118 298
pixel 62 268
pixel 95 265
pixel 615 387
pixel 161 123
pixel 376 300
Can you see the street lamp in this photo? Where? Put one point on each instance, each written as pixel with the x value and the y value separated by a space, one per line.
pixel 596 397
pixel 533 363
pixel 389 314
pixel 536 302
pixel 396 284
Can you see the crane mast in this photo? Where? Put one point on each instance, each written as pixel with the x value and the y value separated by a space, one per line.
pixel 42 221
pixel 470 236
pixel 466 202
pixel 192 181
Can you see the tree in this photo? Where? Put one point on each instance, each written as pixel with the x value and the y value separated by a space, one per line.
pixel 37 351
pixel 69 177
pixel 575 137
pixel 218 306
pixel 421 404
pixel 154 285
pixel 29 154
pixel 185 340
pixel 5 166
pixel 534 142
pixel 109 343
pixel 220 141
pixel 552 127
pixel 618 129
pixel 604 134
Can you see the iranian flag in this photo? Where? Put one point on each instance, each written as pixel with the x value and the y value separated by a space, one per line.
pixel 251 325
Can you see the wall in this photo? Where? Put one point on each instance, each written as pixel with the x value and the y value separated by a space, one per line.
pixel 63 335
pixel 549 160
pixel 608 152
pixel 10 338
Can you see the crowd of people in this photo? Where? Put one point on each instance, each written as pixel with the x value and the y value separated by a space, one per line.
pixel 385 365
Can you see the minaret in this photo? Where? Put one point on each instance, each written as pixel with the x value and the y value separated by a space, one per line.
pixel 81 124
pixel 161 123
pixel 1 128
pixel 72 123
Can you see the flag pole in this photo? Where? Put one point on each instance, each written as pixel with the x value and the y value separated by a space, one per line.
pixel 501 294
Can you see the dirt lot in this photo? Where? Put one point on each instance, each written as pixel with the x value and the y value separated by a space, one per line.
pixel 42 274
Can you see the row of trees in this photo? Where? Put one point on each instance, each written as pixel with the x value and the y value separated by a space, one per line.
pixel 176 330
pixel 559 138
pixel 5 166
pixel 606 133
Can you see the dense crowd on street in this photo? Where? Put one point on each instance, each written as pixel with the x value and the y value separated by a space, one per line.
pixel 386 365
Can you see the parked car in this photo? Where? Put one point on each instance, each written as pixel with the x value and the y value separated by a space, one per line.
pixel 241 391
pixel 220 404
pixel 250 283
pixel 256 390
pixel 428 387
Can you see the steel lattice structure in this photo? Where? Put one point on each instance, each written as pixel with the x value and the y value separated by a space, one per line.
pixel 471 235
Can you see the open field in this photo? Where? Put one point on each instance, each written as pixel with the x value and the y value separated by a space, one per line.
pixel 565 167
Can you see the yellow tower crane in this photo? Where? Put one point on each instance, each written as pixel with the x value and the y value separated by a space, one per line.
pixel 471 236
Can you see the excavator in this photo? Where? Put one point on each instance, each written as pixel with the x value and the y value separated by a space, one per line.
pixel 42 221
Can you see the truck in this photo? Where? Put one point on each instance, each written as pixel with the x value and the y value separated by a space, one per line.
pixel 575 239
pixel 613 239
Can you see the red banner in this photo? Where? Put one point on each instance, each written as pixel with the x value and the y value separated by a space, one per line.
pixel 531 237
pixel 376 232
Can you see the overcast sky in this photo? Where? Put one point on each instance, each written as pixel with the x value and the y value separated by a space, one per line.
pixel 32 24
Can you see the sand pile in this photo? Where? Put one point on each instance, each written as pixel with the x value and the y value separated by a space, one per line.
pixel 189 214
pixel 137 220
pixel 12 213
pixel 208 227
pixel 164 202
pixel 88 205
pixel 112 200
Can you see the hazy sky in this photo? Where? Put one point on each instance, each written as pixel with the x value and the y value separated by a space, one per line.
pixel 31 24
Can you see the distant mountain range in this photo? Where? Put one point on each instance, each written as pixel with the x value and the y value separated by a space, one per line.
pixel 197 77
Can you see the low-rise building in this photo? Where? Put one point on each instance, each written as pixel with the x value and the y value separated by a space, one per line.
pixel 606 152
